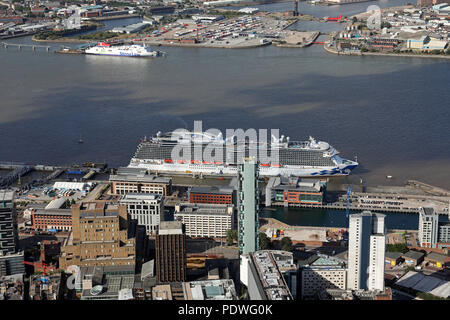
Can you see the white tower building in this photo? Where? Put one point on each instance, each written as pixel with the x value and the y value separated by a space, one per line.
pixel 366 254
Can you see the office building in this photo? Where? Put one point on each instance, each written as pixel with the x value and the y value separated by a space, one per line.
pixel 428 227
pixel 171 252
pixel 432 232
pixel 8 223
pixel 137 180
pixel 248 206
pixel 102 235
pixel 323 273
pixel 261 274
pixel 220 289
pixel 213 195
pixel 205 220
pixel 11 264
pixel 145 208
pixel 293 190
pixel 366 254
pixel 444 235
pixel 10 259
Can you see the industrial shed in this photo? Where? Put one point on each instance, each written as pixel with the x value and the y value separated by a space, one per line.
pixel 422 283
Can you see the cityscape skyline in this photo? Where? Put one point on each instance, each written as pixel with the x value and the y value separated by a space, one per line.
pixel 145 158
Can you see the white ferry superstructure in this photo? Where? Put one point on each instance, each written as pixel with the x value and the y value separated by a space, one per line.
pixel 122 50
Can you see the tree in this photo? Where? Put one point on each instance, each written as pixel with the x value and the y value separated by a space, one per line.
pixel 286 244
pixel 231 236
pixel 354 20
pixel 264 241
pixel 398 247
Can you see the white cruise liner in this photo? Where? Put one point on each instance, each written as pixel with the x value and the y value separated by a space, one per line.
pixel 123 50
pixel 296 158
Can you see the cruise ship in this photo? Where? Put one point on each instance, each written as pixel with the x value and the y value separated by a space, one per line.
pixel 295 158
pixel 122 50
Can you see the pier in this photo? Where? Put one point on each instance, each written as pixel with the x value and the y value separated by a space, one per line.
pixel 33 47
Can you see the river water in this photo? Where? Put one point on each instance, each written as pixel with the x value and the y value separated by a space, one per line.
pixel 392 113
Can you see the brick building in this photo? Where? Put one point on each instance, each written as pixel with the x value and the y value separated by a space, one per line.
pixel 45 219
pixel 212 195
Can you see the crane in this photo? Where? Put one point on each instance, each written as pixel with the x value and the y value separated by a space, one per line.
pixel 349 192
pixel 41 265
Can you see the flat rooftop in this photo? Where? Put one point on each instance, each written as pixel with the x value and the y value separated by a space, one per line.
pixel 134 197
pixel 137 175
pixel 212 190
pixel 270 276
pixel 6 195
pixel 98 206
pixel 205 209
pixel 55 212
pixel 222 289
pixel 170 227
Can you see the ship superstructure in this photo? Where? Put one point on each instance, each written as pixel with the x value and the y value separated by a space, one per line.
pixel 210 154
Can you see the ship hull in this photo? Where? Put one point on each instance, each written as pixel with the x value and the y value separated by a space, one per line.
pixel 221 170
pixel 121 54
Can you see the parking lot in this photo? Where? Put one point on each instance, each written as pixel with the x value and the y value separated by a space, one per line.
pixel 241 31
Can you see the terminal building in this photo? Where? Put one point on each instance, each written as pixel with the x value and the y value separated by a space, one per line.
pixel 102 235
pixel 205 220
pixel 137 180
pixel 132 28
pixel 293 190
pixel 145 208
